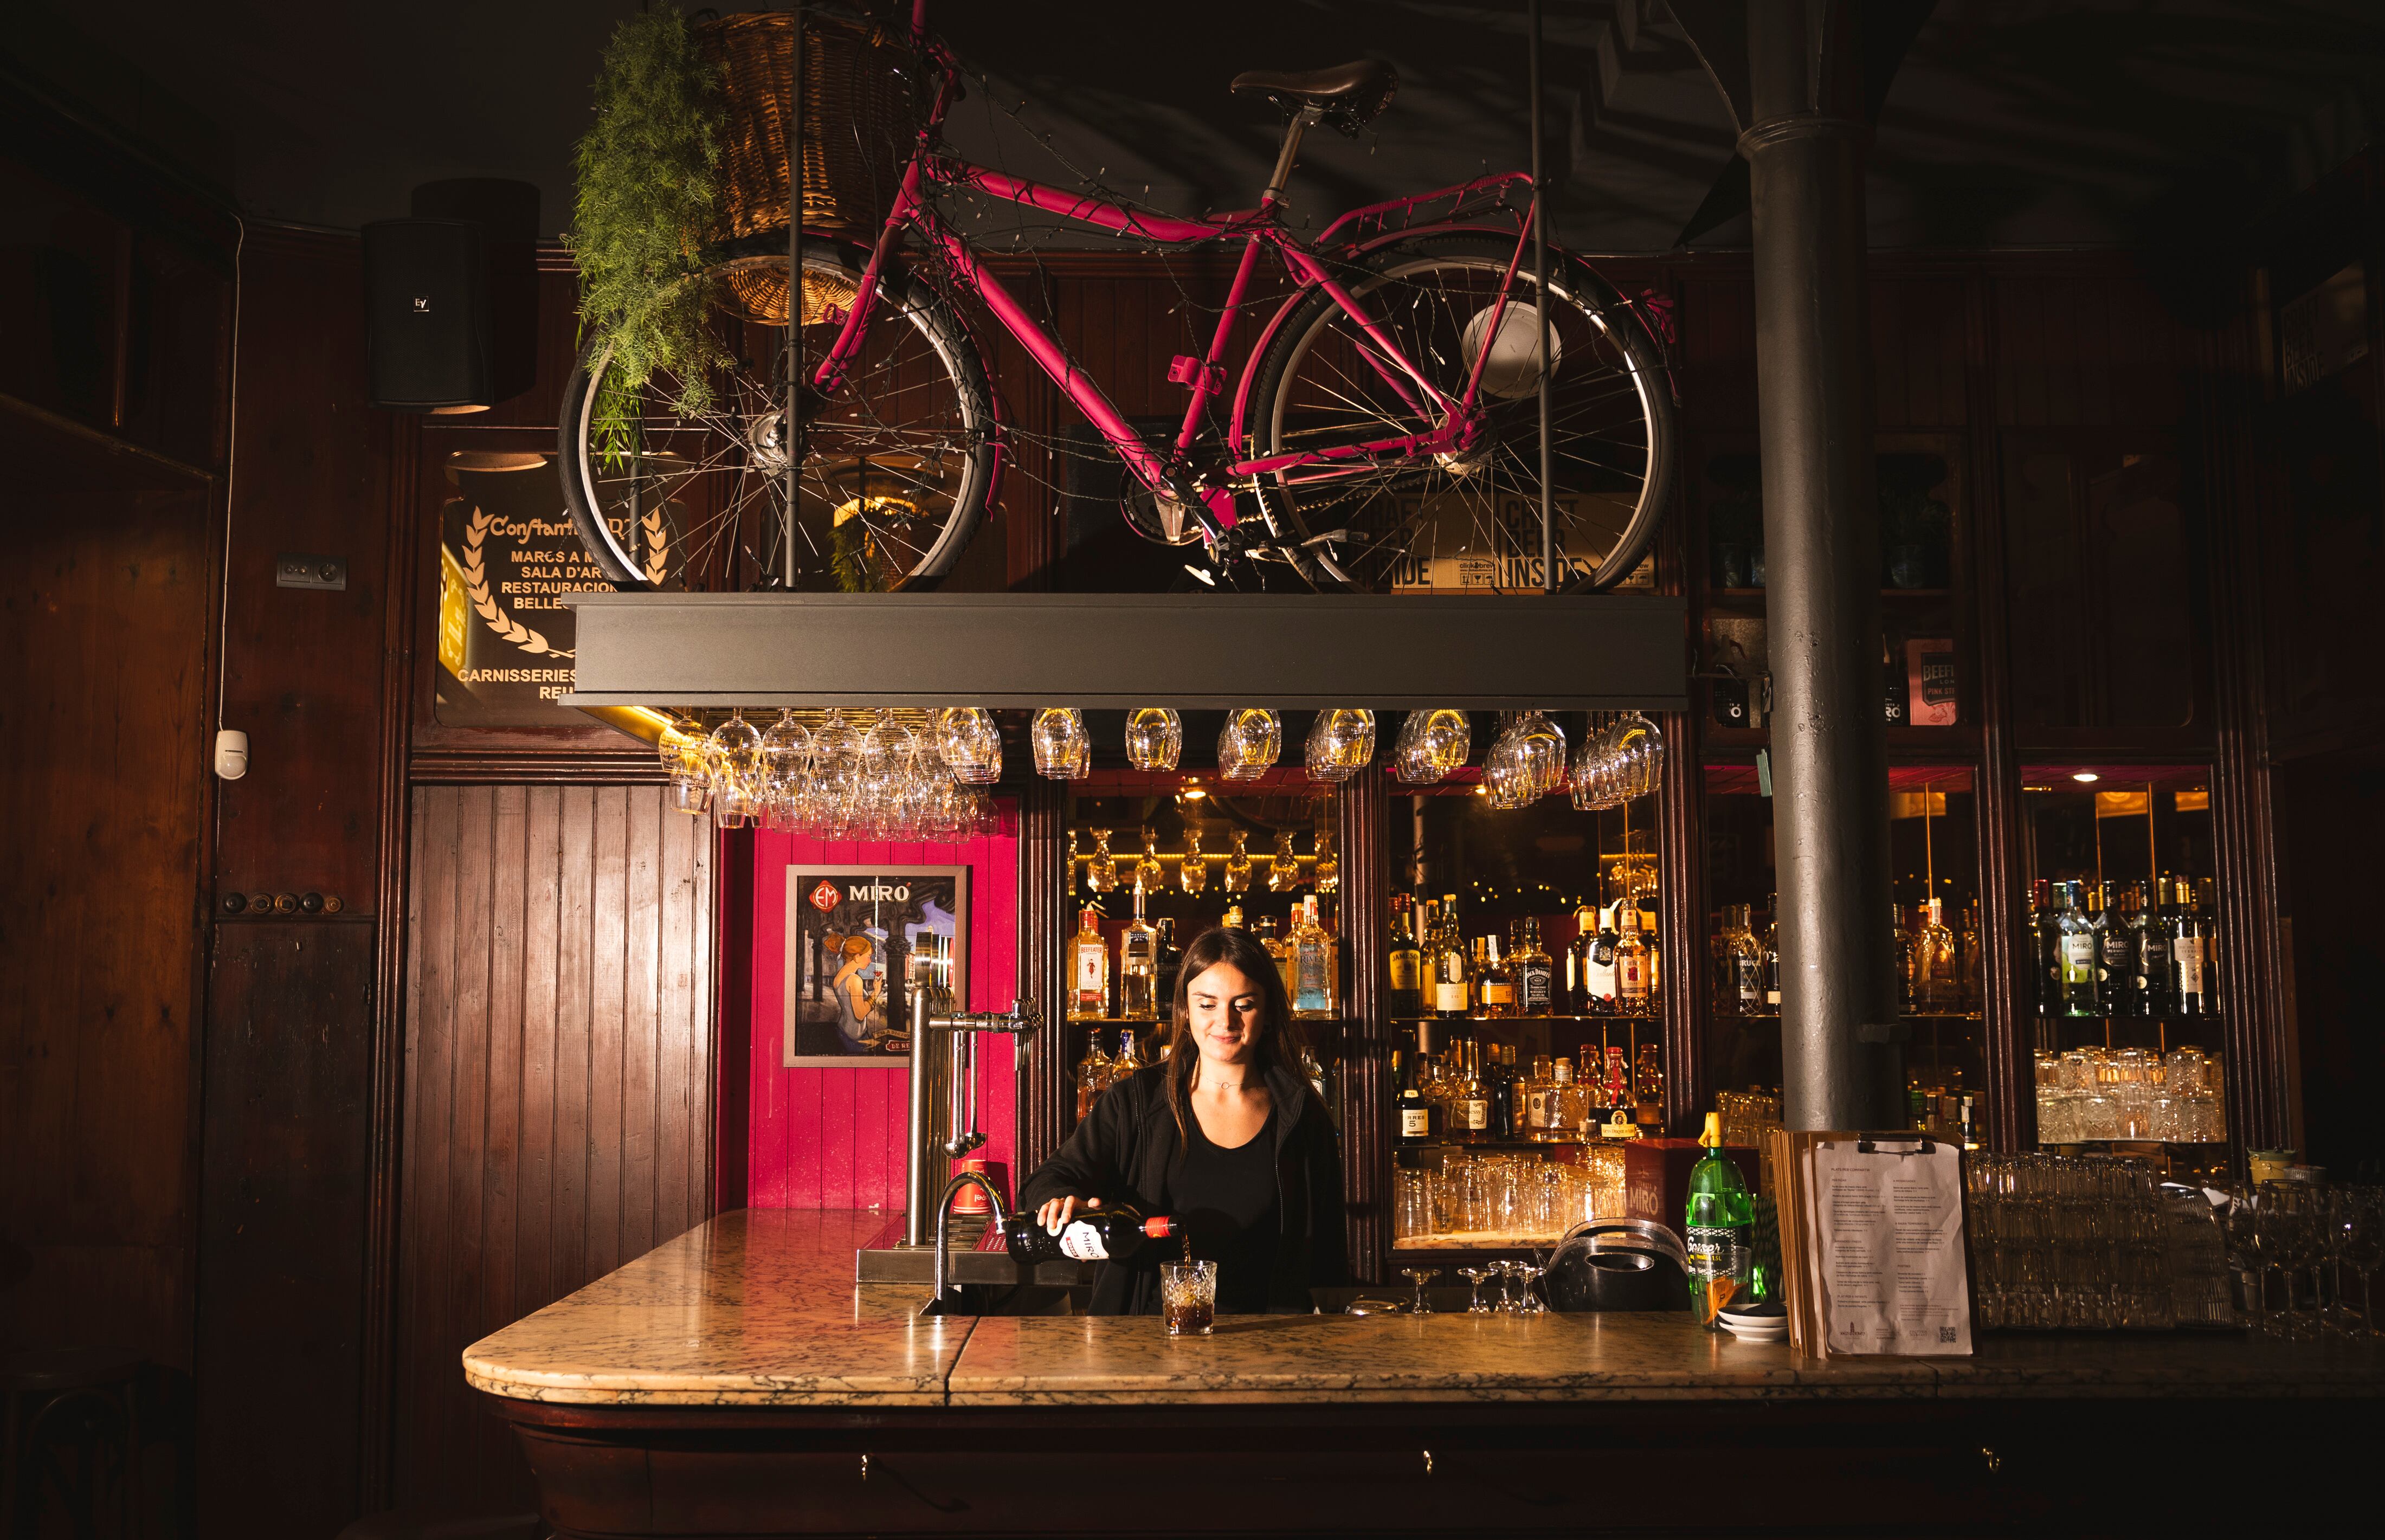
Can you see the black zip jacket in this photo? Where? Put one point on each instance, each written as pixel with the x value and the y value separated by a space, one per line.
pixel 1122 1152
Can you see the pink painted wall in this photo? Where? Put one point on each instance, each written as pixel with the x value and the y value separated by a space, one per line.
pixel 833 1138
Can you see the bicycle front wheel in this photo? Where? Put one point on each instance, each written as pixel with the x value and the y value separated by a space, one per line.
pixel 687 491
pixel 1469 521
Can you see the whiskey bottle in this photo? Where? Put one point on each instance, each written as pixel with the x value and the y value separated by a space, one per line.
pixel 1406 959
pixel 1635 969
pixel 1533 1116
pixel 1281 951
pixel 1415 1123
pixel 1498 980
pixel 1129 1059
pixel 1315 970
pixel 1561 1105
pixel 2075 953
pixel 1503 1090
pixel 1093 1076
pixel 1772 956
pixel 1535 979
pixel 1620 1120
pixel 1089 970
pixel 1648 1089
pixel 1472 1101
pixel 1139 967
pixel 1573 998
pixel 1739 962
pixel 1970 967
pixel 1450 979
pixel 1934 986
pixel 1171 960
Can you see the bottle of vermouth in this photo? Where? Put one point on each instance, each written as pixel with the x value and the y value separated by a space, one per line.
pixel 1095 1235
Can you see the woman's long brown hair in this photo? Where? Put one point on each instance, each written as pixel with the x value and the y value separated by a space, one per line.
pixel 1281 1040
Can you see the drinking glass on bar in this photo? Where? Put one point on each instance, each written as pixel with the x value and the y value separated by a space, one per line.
pixel 1188 1296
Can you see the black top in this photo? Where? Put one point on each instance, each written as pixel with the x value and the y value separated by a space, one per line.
pixel 1127 1147
pixel 1227 1199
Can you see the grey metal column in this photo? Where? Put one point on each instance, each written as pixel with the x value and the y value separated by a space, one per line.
pixel 1805 146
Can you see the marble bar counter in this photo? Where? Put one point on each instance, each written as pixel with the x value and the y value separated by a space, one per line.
pixel 746 1349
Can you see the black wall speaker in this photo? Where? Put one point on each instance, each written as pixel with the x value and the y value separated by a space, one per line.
pixel 452 296
pixel 427 297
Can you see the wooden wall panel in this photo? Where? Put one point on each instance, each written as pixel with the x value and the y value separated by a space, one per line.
pixel 559 1069
pixel 2087 348
pixel 318 471
pixel 281 1241
pixel 106 613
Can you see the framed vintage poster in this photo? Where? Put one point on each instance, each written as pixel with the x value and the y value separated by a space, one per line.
pixel 861 940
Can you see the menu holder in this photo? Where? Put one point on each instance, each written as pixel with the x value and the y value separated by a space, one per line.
pixel 1872 1244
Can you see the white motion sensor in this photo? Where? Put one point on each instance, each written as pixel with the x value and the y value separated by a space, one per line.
pixel 231 754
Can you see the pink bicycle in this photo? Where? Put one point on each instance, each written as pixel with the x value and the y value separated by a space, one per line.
pixel 1381 434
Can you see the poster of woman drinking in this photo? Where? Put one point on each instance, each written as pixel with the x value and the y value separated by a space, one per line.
pixel 861 940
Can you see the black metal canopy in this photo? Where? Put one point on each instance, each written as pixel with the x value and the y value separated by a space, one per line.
pixel 1605 651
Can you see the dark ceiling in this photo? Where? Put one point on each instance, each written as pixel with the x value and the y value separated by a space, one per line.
pixel 2010 124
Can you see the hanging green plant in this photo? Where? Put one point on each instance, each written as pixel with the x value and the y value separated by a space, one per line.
pixel 649 188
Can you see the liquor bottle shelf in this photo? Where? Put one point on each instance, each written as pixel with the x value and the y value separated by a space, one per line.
pixel 1517 1020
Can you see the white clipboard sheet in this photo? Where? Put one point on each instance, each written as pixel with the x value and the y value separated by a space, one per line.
pixel 1884 1258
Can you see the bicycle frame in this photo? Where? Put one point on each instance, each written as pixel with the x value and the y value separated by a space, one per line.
pixel 1170 476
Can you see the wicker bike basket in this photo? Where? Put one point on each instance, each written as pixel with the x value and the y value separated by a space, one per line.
pixel 857 130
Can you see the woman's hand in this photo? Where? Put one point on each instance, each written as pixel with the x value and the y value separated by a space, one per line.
pixel 1055 1214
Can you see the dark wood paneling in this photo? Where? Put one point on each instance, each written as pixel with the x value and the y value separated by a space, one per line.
pixel 1365 816
pixel 1681 922
pixel 1046 1111
pixel 558 1077
pixel 105 619
pixel 316 474
pixel 283 1216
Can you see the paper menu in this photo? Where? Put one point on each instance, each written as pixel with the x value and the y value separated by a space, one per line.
pixel 1889 1247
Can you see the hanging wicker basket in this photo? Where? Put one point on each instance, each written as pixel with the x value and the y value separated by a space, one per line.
pixel 857 131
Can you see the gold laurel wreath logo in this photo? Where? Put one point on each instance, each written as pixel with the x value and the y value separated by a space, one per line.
pixel 476 588
pixel 657 547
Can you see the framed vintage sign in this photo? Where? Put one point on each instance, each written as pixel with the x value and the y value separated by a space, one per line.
pixel 861 940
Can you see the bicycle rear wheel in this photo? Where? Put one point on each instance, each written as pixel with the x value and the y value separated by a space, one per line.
pixel 1470 521
pixel 897 463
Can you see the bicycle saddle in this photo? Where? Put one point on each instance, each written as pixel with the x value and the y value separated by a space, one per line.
pixel 1348 93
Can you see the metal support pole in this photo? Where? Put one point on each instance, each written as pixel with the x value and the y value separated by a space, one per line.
pixel 1805 147
pixel 794 434
pixel 1541 307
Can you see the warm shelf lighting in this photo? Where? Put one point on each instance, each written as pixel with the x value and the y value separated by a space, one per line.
pixel 2085 777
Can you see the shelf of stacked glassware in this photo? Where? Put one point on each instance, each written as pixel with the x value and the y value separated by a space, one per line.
pixel 2139 1085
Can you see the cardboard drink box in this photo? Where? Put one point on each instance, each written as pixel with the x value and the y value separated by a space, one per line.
pixel 1656 1177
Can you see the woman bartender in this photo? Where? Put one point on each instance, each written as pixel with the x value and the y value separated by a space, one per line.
pixel 1224 1134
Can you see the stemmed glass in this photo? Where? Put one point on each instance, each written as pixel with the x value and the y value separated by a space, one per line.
pixel 681 748
pixel 2290 1228
pixel 1341 743
pixel 1474 1277
pixel 1283 872
pixel 1101 867
pixel 1420 1277
pixel 1155 737
pixel 970 743
pixel 1193 872
pixel 1430 744
pixel 2364 1245
pixel 1529 1275
pixel 1249 744
pixel 1238 863
pixel 735 754
pixel 1062 750
pixel 1148 873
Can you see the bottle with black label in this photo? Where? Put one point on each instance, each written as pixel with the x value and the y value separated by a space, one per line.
pixel 1598 971
pixel 1413 1113
pixel 1896 700
pixel 2149 953
pixel 1112 1234
pixel 1535 978
pixel 2118 940
pixel 2189 952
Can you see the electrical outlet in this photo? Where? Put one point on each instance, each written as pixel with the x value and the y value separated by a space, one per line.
pixel 306 571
